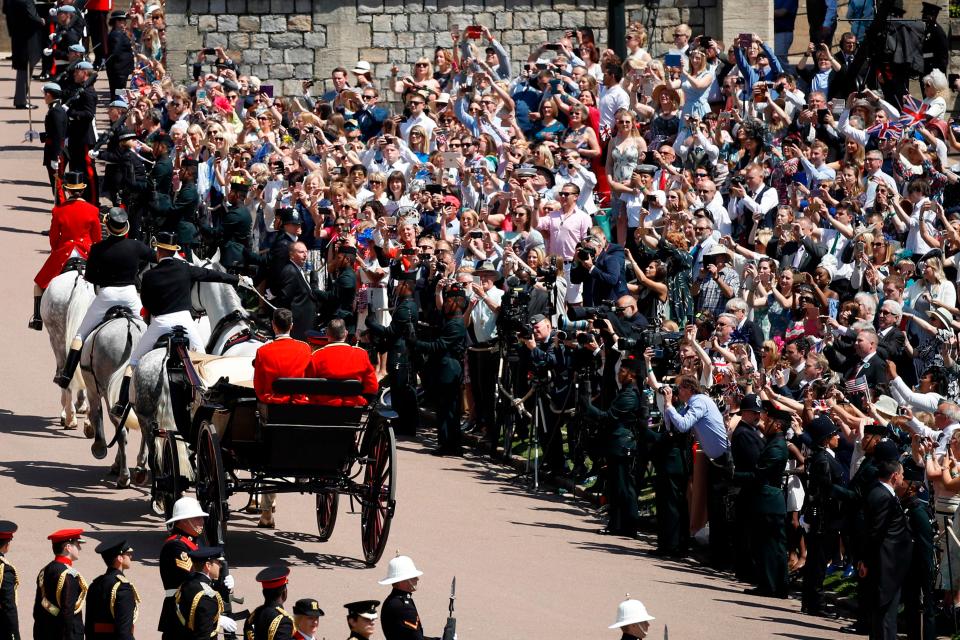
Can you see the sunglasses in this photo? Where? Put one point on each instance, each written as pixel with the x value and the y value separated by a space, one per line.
pixel 376 182
pixel 417 104
pixel 369 97
pixel 423 64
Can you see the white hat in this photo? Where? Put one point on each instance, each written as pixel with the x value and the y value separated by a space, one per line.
pixel 631 612
pixel 186 507
pixel 443 98
pixel 886 405
pixel 401 568
pixel 362 67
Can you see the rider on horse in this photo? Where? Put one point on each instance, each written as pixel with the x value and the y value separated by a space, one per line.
pixel 112 267
pixel 75 226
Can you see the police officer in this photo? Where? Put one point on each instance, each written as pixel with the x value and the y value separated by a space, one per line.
pixel 9 581
pixel 54 137
pixel 393 340
pixel 187 523
pixel 112 267
pixel 401 621
pixel 81 114
pixel 768 508
pixel 746 443
pixel 233 235
pixel 198 606
pixel 166 296
pixel 306 618
pixel 269 621
pixel 132 181
pixel 936 47
pixel 617 425
pixel 179 216
pixel 112 600
pixel 362 619
pixel 445 369
pixel 822 509
pixel 120 61
pixel 60 590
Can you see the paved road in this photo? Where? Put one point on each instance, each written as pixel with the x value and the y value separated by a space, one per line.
pixel 526 565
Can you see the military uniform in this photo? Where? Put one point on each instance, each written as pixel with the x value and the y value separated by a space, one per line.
pixel 9 582
pixel 445 367
pixel 132 186
pixel 393 340
pixel 54 138
pixel 269 622
pixel 340 299
pixel 670 452
pixel 120 60
pixel 180 217
pixel 198 607
pixel 401 621
pixel 57 607
pixel 234 237
pixel 175 567
pixel 81 114
pixel 112 607
pixel 920 605
pixel 74 227
pixel 746 443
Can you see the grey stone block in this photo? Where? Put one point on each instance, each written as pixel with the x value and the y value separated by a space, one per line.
pixel 239 41
pixel 395 6
pixel 303 71
pixel 503 20
pixel 365 19
pixel 207 23
pixel 250 56
pixel 438 21
pixel 586 4
pixel 273 24
pixel 382 23
pixel 572 19
pixel 385 39
pixel 215 40
pixel 405 39
pixel 419 22
pixel 450 5
pixel 293 87
pixel 525 20
pixel 370 6
pixel 262 71
pixel 535 37
pixel 227 23
pixel 180 20
pixel 286 40
pixel 512 37
pixel 298 56
pixel 550 20
pixel 315 40
pixel 249 23
pixel 271 56
pixel 598 19
pixel 473 6
pixel 485 20
pixel 400 23
pixel 281 71
pixel 424 40
pixel 259 41
pixel 496 6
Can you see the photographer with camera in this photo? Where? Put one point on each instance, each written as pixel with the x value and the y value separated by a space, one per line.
pixel 599 267
pixel 482 354
pixel 717 281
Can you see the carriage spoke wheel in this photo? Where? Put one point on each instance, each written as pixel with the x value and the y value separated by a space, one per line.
pixel 378 499
pixel 211 483
pixel 327 504
pixel 168 482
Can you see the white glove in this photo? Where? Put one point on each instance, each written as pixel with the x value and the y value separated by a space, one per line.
pixel 53 12
pixel 48 52
pixel 228 582
pixel 247 283
pixel 227 625
pixel 93 153
pixel 55 165
pixel 53 36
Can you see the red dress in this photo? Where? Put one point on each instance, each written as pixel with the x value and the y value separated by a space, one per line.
pixel 283 358
pixel 75 225
pixel 340 361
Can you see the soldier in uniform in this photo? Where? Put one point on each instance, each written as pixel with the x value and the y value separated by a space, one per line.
pixel 233 235
pixel 165 291
pixel 269 621
pixel 400 618
pixel 75 55
pixel 445 366
pixel 74 227
pixel 340 299
pixel 67 32
pixel 110 151
pixel 120 62
pixel 9 581
pixel 936 47
pixel 197 605
pixel 306 618
pixel 617 425
pixel 671 454
pixel 61 590
pixel 920 605
pixel 112 600
pixel 132 181
pixel 768 504
pixel 633 620
pixel 160 180
pixel 186 528
pixel 362 619
pixel 180 215
pixel 746 443
pixel 393 339
pixel 54 137
pixel 822 510
pixel 279 254
pixel 81 114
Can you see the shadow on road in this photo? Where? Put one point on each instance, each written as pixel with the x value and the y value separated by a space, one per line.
pixel 31 426
pixel 16 230
pixel 758 605
pixel 802 623
pixel 35 199
pixel 28 209
pixel 248 548
pixel 25 183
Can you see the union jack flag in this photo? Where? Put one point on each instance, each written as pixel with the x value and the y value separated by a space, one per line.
pixel 886 130
pixel 857 385
pixel 914 112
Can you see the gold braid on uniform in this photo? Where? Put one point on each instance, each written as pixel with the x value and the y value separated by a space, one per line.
pixel 113 597
pixel 16 579
pixel 275 624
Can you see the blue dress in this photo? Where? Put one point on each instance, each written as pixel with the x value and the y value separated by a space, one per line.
pixel 695 100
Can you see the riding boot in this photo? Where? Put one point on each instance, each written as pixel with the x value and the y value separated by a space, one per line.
pixel 124 399
pixel 36 322
pixel 63 378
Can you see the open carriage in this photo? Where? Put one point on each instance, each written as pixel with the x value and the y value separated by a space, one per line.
pixel 236 444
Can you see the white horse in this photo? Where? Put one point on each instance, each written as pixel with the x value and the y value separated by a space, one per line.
pixel 106 353
pixel 62 308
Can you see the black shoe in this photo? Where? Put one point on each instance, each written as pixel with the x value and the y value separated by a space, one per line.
pixel 26 106
pixel 855 629
pixel 43 77
pixel 35 323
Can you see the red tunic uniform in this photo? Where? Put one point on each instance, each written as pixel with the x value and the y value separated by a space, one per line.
pixel 282 358
pixel 75 225
pixel 340 361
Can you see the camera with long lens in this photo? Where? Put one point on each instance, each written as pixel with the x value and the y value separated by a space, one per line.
pixel 665 345
pixel 513 321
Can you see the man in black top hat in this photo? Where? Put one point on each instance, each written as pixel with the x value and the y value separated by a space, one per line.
pixel 362 618
pixel 9 581
pixel 306 618
pixel 746 443
pixel 112 601
pixel 120 61
pixel 54 138
pixel 199 607
pixel 269 621
pixel 936 47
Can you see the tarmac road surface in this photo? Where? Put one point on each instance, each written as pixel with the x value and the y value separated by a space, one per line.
pixel 526 565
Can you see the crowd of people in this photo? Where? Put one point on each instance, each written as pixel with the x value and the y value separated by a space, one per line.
pixel 714 271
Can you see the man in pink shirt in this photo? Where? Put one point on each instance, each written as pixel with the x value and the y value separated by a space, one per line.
pixel 564 227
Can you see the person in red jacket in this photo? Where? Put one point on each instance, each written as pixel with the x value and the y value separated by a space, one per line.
pixel 285 357
pixel 341 361
pixel 74 228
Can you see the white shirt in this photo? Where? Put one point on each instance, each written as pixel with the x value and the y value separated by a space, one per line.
pixel 583 178
pixel 915 242
pixel 421 120
pixel 612 99
pixel 749 205
pixel 483 320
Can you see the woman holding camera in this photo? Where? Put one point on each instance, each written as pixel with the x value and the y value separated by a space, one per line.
pixel 695 85
pixel 651 289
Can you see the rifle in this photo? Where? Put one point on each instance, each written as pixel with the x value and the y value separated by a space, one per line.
pixel 450 629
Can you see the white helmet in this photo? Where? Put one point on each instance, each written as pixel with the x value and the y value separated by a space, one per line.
pixel 185 508
pixel 631 612
pixel 401 568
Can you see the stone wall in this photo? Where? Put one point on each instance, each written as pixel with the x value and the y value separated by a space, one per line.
pixel 288 41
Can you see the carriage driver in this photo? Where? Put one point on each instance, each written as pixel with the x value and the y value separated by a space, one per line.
pixel 166 296
pixel 112 267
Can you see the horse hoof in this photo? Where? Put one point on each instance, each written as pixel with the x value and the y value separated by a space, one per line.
pixel 70 426
pixel 88 431
pixel 123 481
pixel 157 508
pixel 63 420
pixel 140 477
pixel 114 469
pixel 99 450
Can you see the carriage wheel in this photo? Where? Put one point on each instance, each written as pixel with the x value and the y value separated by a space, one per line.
pixel 212 483
pixel 168 481
pixel 327 504
pixel 379 496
